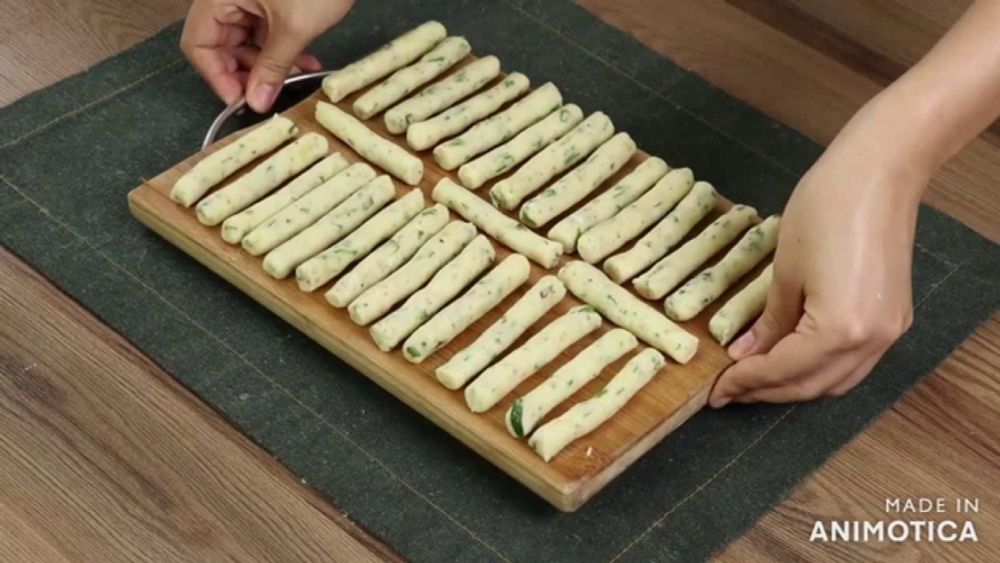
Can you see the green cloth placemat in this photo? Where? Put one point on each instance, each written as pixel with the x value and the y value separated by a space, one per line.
pixel 69 155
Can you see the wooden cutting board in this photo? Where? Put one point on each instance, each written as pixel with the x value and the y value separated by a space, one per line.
pixel 568 480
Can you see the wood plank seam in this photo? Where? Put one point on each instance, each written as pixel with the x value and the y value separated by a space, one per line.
pixel 256 369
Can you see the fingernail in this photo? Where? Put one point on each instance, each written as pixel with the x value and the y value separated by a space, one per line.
pixel 742 346
pixel 719 402
pixel 263 97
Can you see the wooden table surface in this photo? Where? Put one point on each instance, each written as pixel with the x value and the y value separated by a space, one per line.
pixel 76 452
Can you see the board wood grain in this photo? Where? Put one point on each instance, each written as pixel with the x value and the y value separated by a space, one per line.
pixel 573 476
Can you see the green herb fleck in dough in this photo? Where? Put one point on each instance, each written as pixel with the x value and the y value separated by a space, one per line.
pixel 515 418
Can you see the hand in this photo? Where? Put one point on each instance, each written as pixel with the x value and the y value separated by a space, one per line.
pixel 842 290
pixel 250 46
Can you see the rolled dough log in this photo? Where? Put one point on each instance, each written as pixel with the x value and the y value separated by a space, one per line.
pixel 537 301
pixel 499 128
pixel 611 234
pixel 264 178
pixel 528 411
pixel 384 153
pixel 706 287
pixel 222 163
pixel 395 54
pixel 554 159
pixel 391 255
pixel 627 311
pixel 500 379
pixel 425 134
pixel 483 296
pixel 613 200
pixel 442 94
pixel 742 308
pixel 671 271
pixel 328 264
pixel 584 417
pixel 443 287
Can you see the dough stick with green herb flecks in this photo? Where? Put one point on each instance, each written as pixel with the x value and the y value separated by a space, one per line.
pixel 579 182
pixel 395 54
pixel 483 296
pixel 584 417
pixel 498 129
pixel 613 200
pixel 500 379
pixel 528 411
pixel 391 255
pixel 442 94
pixel 425 134
pixel 264 178
pixel 222 163
pixel 742 308
pixel 293 219
pixel 237 226
pixel 611 234
pixel 555 158
pixel 699 291
pixel 331 262
pixel 434 254
pixel 669 272
pixel 695 206
pixel 499 226
pixel 537 301
pixel 618 304
pixel 330 228
pixel 405 80
pixel 383 153
pixel 443 287
pixel 528 142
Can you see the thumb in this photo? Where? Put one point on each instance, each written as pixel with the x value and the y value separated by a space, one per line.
pixel 273 64
pixel 780 316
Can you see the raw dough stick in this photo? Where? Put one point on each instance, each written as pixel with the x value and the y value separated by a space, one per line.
pixel 381 297
pixel 584 417
pixel 699 291
pixel 426 134
pixel 527 411
pixel 384 153
pixel 443 287
pixel 293 219
pixel 264 177
pixel 579 182
pixel 442 94
pixel 669 231
pixel 237 226
pixel 611 234
pixel 608 203
pixel 499 128
pixel 395 54
pixel 555 158
pixel 537 301
pixel 221 164
pixel 330 228
pixel 501 378
pixel 407 79
pixel 499 226
pixel 742 308
pixel 391 255
pixel 616 303
pixel 671 271
pixel 331 262
pixel 483 296
pixel 526 143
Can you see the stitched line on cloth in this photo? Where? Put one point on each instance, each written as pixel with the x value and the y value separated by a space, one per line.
pixel 651 90
pixel 704 485
pixel 253 367
pixel 110 95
